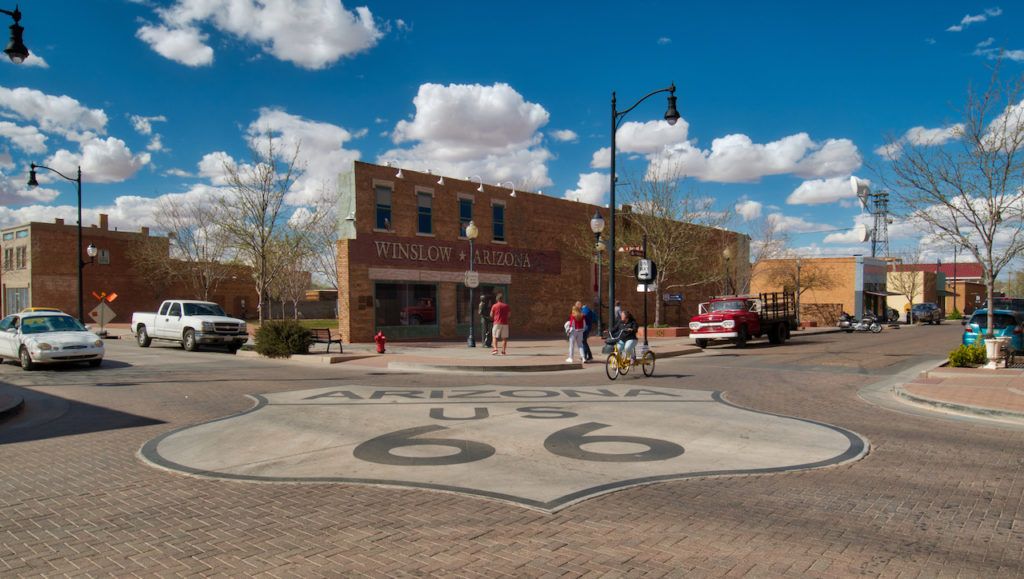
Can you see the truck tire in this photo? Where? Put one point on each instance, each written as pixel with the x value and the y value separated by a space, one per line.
pixel 188 340
pixel 142 337
pixel 741 337
pixel 701 343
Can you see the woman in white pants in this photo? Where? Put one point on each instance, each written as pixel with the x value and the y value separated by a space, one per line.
pixel 576 325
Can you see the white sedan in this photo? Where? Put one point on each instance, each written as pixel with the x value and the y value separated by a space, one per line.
pixel 48 337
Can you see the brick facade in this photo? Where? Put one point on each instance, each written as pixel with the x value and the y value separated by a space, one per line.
pixel 49 278
pixel 535 263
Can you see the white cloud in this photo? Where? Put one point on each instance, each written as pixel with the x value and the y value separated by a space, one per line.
pixel 144 125
pixel 53 114
pixel 312 34
pixel 32 60
pixel 175 172
pixel 664 40
pixel 650 137
pixel 602 158
pixel 102 160
pixel 736 158
pixel 921 137
pixel 591 188
pixel 14 191
pixel 321 148
pixel 156 144
pixel 821 191
pixel 212 167
pixel 565 135
pixel 888 151
pixel 185 45
pixel 26 138
pixel 789 223
pixel 462 130
pixel 969 19
pixel 749 209
pixel 986 43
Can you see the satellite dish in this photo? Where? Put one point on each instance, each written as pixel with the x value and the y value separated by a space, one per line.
pixel 862 231
pixel 861 189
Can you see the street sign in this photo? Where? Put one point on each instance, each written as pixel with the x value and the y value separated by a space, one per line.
pixel 644 270
pixel 631 248
pixel 102 314
pixel 673 298
pixel 472 279
pixel 650 287
pixel 636 252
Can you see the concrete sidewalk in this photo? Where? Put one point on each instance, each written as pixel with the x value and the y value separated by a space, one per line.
pixel 995 394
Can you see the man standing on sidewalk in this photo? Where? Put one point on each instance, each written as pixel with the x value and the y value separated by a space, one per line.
pixel 500 314
pixel 485 321
pixel 591 319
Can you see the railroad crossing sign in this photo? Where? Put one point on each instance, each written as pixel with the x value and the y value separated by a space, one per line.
pixel 563 444
pixel 102 314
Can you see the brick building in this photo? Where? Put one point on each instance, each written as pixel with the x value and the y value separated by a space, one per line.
pixel 402 255
pixel 830 285
pixel 964 286
pixel 39 269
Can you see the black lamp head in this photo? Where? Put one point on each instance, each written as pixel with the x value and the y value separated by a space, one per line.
pixel 32 176
pixel 671 114
pixel 16 49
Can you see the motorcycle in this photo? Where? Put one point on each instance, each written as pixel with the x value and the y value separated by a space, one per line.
pixel 869 323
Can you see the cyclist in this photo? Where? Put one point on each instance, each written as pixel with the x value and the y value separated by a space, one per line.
pixel 625 331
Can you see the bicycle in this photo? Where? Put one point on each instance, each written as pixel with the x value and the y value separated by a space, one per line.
pixel 619 364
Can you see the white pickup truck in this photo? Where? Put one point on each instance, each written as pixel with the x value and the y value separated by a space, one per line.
pixel 192 323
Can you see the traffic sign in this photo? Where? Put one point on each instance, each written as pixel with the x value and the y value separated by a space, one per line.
pixel 102 314
pixel 636 252
pixel 472 279
pixel 643 270
pixel 647 287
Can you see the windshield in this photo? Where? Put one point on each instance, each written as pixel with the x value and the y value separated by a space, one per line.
pixel 730 305
pixel 43 324
pixel 203 310
pixel 1000 321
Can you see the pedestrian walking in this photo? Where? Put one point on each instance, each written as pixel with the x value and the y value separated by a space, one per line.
pixel 500 314
pixel 591 319
pixel 574 329
pixel 618 312
pixel 484 311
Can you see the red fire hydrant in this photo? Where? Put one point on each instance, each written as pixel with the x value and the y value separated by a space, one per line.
pixel 381 339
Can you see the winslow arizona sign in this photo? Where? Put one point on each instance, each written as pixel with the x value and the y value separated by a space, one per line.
pixel 545 448
pixel 440 254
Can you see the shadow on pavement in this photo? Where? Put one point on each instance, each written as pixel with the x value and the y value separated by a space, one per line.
pixel 46 416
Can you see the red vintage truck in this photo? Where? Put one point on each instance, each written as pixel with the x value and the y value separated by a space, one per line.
pixel 742 318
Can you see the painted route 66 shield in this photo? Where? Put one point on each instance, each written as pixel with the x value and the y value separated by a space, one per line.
pixel 544 448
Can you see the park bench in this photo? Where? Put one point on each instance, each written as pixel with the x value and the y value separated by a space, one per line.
pixel 324 336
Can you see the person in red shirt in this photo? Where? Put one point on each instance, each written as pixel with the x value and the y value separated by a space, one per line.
pixel 500 314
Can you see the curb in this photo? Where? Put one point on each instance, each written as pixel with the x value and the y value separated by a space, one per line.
pixel 978 411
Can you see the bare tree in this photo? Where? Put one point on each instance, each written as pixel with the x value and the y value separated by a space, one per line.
pixel 904 281
pixel 151 259
pixel 767 242
pixel 793 274
pixel 254 217
pixel 197 242
pixel 680 227
pixel 322 238
pixel 292 280
pixel 970 192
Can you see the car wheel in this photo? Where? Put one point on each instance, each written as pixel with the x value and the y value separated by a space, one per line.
pixel 26 360
pixel 95 363
pixel 415 321
pixel 701 343
pixel 189 341
pixel 142 337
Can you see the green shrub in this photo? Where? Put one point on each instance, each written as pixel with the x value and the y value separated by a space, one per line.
pixel 282 338
pixel 973 355
pixel 955 315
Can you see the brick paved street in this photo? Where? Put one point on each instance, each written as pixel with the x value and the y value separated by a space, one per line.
pixel 935 497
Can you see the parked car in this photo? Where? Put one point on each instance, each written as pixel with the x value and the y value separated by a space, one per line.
pixel 48 337
pixel 927 312
pixel 191 323
pixel 1005 323
pixel 35 309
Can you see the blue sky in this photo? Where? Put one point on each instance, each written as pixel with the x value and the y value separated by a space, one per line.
pixel 798 95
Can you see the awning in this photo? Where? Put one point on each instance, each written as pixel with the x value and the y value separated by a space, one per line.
pixel 883 294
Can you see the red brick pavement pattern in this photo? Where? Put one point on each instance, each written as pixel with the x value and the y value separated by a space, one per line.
pixel 928 501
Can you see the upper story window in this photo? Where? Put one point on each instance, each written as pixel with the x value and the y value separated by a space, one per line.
pixel 22 234
pixel 424 219
pixel 465 215
pixel 21 257
pixel 383 207
pixel 498 221
pixel 8 258
pixel 9 236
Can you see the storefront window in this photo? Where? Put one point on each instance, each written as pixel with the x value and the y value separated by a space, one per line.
pixel 465 215
pixel 424 222
pixel 405 304
pixel 383 208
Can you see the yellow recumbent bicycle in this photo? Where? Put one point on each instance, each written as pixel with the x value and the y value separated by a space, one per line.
pixel 619 364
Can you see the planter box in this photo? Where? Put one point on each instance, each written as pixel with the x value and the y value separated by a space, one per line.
pixel 673 332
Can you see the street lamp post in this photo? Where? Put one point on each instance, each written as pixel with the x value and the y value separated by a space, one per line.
pixel 16 49
pixel 671 115
pixel 597 226
pixel 471 233
pixel 78 254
